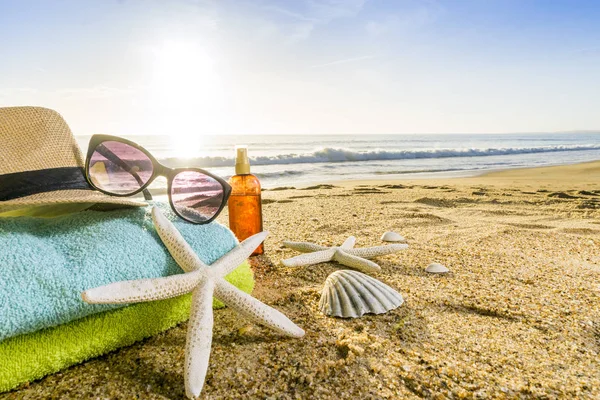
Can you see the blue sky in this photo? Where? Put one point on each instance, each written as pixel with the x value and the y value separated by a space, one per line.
pixel 319 66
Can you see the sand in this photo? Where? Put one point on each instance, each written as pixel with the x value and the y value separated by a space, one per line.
pixel 518 317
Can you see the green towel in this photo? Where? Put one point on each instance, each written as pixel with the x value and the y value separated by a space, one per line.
pixel 28 357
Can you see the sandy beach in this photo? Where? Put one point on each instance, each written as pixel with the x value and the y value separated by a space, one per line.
pixel 517 317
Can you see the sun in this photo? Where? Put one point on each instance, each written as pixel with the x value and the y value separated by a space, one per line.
pixel 186 93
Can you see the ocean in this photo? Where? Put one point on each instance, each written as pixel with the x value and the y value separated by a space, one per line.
pixel 286 160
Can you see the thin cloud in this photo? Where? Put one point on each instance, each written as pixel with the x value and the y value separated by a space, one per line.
pixel 289 13
pixel 316 13
pixel 587 50
pixel 425 14
pixel 344 61
pixel 328 10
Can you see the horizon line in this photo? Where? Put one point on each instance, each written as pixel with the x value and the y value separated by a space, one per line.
pixel 577 131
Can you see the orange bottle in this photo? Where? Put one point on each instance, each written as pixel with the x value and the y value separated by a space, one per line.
pixel 245 208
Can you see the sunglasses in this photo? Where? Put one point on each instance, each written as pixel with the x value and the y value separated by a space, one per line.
pixel 119 167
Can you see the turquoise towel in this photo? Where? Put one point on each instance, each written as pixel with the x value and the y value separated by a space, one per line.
pixel 45 263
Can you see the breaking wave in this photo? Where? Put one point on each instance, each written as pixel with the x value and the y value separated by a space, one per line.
pixel 331 155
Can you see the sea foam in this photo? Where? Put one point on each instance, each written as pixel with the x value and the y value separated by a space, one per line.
pixel 331 155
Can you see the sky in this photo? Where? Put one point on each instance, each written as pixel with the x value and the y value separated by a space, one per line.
pixel 187 68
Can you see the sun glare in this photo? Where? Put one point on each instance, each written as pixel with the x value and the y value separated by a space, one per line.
pixel 187 146
pixel 186 89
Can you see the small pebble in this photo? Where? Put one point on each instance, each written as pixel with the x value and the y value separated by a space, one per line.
pixel 392 237
pixel 436 268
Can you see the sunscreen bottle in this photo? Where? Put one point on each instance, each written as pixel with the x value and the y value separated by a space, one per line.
pixel 245 208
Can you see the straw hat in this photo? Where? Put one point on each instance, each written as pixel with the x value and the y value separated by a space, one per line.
pixel 41 163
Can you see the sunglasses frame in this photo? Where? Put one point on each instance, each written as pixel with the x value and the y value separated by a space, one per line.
pixel 158 169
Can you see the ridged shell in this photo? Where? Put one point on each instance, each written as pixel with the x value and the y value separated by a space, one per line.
pixel 351 294
pixel 436 268
pixel 392 237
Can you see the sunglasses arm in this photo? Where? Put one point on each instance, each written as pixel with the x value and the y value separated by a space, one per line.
pixel 117 160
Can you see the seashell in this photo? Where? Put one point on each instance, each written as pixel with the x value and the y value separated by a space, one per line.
pixel 436 268
pixel 392 237
pixel 351 294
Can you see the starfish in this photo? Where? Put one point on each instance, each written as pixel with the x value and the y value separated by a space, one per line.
pixel 345 254
pixel 204 282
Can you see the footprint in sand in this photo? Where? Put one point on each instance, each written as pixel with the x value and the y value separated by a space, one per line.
pixel 421 219
pixel 395 187
pixel 369 191
pixel 563 195
pixel 319 187
pixel 581 231
pixel 435 202
pixel 590 204
pixel 530 226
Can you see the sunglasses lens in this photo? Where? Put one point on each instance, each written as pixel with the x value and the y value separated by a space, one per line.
pixel 119 168
pixel 196 197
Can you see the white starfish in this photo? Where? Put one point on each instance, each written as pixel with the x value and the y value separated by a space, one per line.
pixel 203 281
pixel 345 254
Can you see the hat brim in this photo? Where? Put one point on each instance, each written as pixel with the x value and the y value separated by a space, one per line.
pixel 72 196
